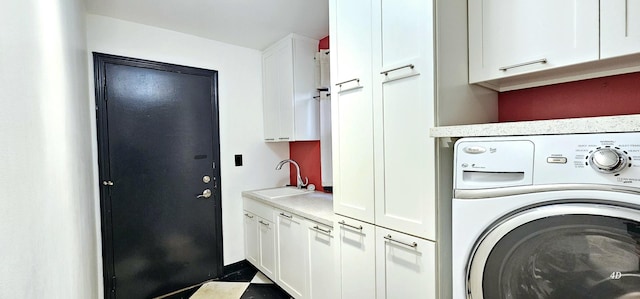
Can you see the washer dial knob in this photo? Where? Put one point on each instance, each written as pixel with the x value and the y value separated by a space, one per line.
pixel 608 160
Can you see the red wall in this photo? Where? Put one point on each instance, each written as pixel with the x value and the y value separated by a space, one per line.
pixel 614 95
pixel 307 153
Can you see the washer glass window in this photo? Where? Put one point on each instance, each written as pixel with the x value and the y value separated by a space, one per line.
pixel 566 256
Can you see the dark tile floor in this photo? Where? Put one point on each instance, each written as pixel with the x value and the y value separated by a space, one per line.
pixel 242 272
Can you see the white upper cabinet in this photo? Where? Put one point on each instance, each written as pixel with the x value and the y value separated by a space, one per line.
pixel 403 62
pixel 508 38
pixel 620 27
pixel 352 108
pixel 290 111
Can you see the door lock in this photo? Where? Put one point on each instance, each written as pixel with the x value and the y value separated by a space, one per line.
pixel 205 194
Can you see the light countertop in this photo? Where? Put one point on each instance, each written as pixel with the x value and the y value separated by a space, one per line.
pixel 316 206
pixel 601 124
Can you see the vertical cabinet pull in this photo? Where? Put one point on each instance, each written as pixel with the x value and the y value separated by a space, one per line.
pixel 505 68
pixel 412 244
pixel 359 227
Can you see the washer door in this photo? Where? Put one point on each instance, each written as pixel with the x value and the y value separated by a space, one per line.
pixel 559 251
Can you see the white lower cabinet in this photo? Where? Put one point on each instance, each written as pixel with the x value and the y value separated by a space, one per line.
pixel 267 242
pixel 292 253
pixel 260 243
pixel 320 241
pixel 355 259
pixel 251 247
pixel 406 266
pixel 374 262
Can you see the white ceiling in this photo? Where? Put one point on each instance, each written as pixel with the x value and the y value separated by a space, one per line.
pixel 249 23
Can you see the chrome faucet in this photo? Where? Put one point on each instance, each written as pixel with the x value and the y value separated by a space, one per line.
pixel 299 184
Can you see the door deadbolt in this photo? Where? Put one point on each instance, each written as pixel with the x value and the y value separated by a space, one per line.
pixel 206 179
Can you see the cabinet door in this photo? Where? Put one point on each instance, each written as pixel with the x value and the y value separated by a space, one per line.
pixel 619 28
pixel 509 37
pixel 355 259
pixel 267 238
pixel 278 92
pixel 321 242
pixel 352 108
pixel 251 246
pixel 406 266
pixel 292 254
pixel 404 111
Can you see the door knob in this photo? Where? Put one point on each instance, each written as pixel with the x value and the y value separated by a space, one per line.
pixel 205 194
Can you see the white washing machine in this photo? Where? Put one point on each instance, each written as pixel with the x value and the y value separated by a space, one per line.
pixel 547 217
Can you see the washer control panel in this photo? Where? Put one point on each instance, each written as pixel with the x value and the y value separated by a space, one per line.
pixel 611 158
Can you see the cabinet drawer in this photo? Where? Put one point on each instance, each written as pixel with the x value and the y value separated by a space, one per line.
pixel 257 208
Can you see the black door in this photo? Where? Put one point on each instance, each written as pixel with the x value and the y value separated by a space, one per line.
pixel 158 142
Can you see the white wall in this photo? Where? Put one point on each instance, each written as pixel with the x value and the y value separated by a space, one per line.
pixel 47 225
pixel 240 99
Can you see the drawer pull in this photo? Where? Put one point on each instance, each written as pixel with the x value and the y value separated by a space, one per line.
pixel 505 68
pixel 359 227
pixel 283 138
pixel 411 66
pixel 285 215
pixel 326 231
pixel 263 223
pixel 412 245
pixel 250 217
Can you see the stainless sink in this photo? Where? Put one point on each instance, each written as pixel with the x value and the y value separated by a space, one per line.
pixel 281 192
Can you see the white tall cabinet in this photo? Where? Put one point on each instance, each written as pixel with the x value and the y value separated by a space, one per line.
pixel 352 108
pixel 384 161
pixel 403 98
pixel 619 28
pixel 382 152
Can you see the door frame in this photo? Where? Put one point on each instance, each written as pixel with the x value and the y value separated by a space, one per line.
pixel 100 60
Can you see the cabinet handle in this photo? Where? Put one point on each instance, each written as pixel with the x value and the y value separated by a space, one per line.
pixel 285 215
pixel 351 88
pixel 283 138
pixel 326 231
pixel 411 66
pixel 343 82
pixel 505 68
pixel 412 245
pixel 359 227
pixel 270 139
pixel 250 217
pixel 263 223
